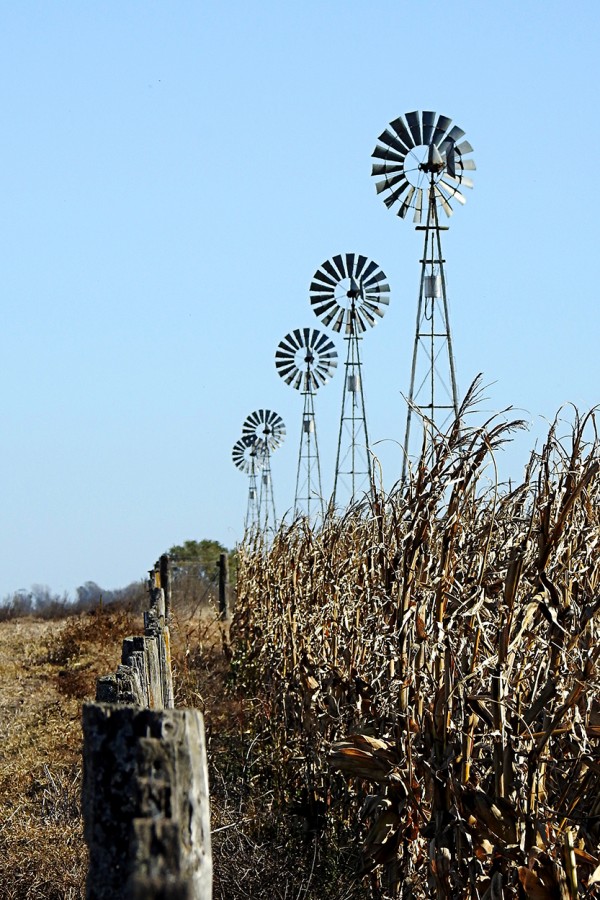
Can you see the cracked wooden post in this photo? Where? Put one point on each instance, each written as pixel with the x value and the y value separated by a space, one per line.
pixel 223 581
pixel 165 583
pixel 146 804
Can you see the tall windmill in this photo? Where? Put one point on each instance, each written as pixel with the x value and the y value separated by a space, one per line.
pixel 423 161
pixel 306 359
pixel 266 429
pixel 247 458
pixel 349 292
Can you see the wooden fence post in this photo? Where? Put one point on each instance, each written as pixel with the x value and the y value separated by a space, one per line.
pixel 223 582
pixel 146 804
pixel 165 583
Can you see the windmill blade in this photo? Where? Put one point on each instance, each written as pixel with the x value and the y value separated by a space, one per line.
pixel 443 201
pixel 406 202
pixel 428 126
pixel 455 134
pixel 328 282
pixel 373 277
pixel 442 125
pixel 338 322
pixel 372 267
pixel 414 123
pixel 386 137
pixel 389 183
pixel 321 344
pixel 330 271
pixel 285 351
pixel 395 195
pixel 399 126
pixel 350 264
pixel 288 373
pixel 251 421
pixel 418 206
pixel 387 153
pixel 453 192
pixel 467 164
pixel 463 148
pixel 324 307
pixel 378 169
pixel 339 264
pixel 458 181
pixel 360 264
pixel 357 325
pixel 284 363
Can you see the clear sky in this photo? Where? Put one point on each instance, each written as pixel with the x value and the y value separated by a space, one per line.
pixel 173 174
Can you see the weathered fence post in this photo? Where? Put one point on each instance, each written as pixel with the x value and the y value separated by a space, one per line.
pixel 165 583
pixel 145 785
pixel 146 804
pixel 223 582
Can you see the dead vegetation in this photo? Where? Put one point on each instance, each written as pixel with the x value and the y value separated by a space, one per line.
pixel 408 704
pixel 47 668
pixel 425 673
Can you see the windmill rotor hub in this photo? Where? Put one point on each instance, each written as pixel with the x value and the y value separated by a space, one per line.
pixel 434 164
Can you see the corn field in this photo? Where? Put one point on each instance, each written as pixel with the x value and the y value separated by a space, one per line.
pixel 426 670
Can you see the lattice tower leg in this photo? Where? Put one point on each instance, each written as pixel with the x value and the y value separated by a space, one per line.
pixel 309 492
pixel 252 509
pixel 267 517
pixel 353 467
pixel 433 395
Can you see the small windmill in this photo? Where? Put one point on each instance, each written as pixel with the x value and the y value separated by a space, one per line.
pixel 306 359
pixel 423 163
pixel 266 430
pixel 247 458
pixel 350 292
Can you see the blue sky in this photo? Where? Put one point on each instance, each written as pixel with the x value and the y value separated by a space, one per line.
pixel 172 176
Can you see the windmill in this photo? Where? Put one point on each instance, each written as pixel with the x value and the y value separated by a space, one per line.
pixel 423 163
pixel 306 359
pixel 265 428
pixel 248 459
pixel 350 292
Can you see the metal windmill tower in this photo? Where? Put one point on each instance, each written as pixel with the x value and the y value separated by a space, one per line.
pixel 423 160
pixel 350 292
pixel 266 429
pixel 306 359
pixel 248 459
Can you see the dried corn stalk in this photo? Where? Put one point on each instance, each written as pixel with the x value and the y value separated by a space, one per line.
pixel 430 669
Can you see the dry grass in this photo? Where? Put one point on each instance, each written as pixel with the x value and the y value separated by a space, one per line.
pixel 47 669
pixel 426 672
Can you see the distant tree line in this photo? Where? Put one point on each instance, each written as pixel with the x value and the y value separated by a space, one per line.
pixel 195 571
pixel 41 602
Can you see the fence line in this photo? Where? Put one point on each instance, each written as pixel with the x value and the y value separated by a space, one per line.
pixel 145 785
